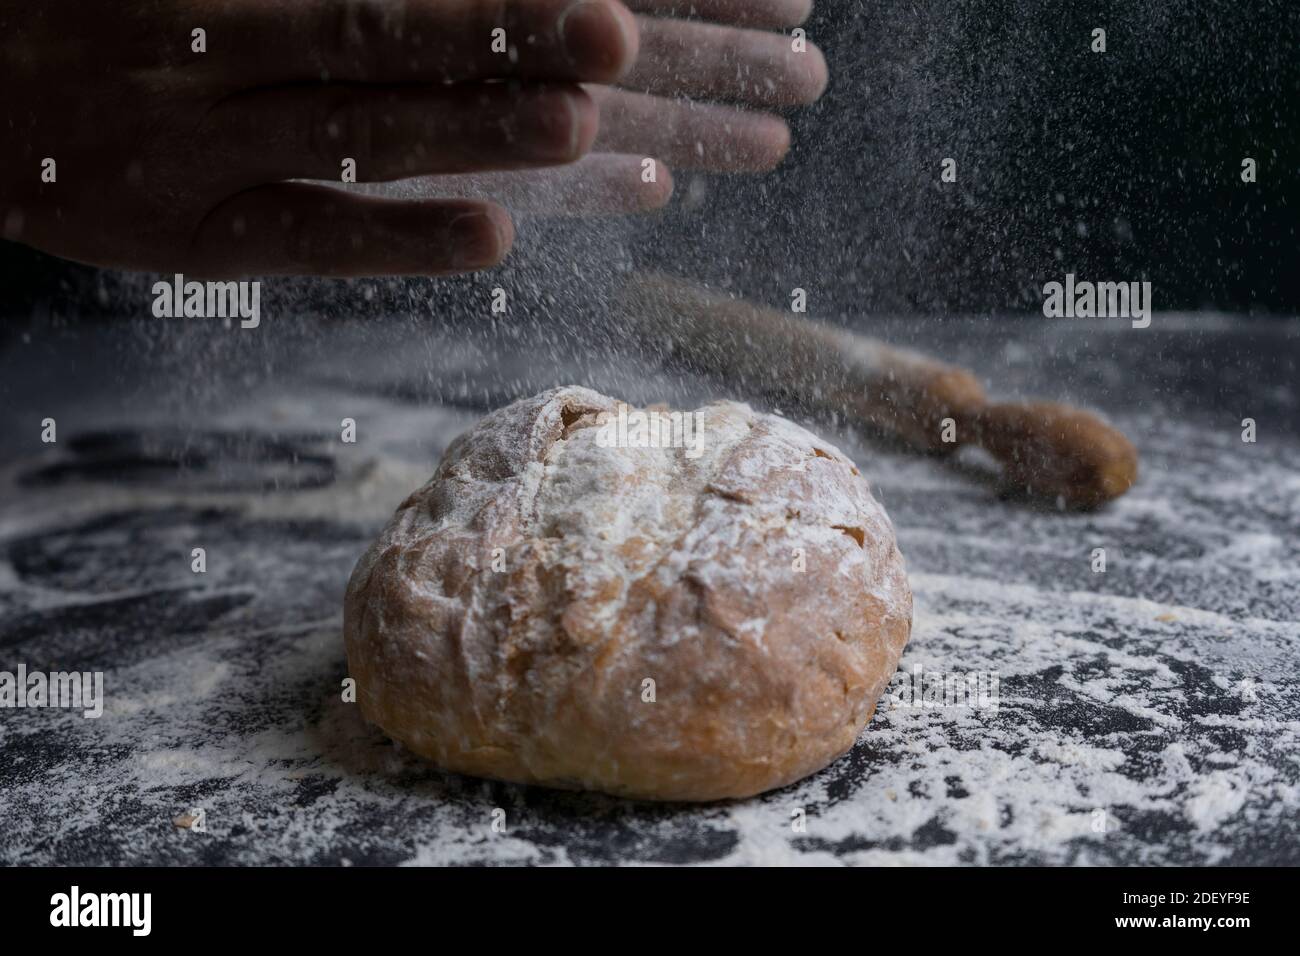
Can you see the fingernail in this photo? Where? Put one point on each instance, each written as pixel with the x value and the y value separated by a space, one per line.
pixel 552 126
pixel 13 227
pixel 586 28
pixel 475 241
pixel 800 11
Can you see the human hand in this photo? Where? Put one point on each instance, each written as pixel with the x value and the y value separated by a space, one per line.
pixel 658 110
pixel 128 148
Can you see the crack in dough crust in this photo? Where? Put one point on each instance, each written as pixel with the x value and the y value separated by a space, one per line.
pixel 506 620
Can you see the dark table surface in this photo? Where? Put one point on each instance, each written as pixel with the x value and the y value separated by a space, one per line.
pixel 1147 715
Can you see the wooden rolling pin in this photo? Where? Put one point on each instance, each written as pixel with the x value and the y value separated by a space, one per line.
pixel 1046 449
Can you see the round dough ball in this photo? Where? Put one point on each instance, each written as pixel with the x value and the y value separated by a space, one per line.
pixel 661 623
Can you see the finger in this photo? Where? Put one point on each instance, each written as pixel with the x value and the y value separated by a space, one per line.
pixel 599 184
pixel 309 132
pixel 759 14
pixel 701 60
pixel 397 41
pixel 689 135
pixel 301 229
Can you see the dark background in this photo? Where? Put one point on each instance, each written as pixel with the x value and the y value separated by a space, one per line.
pixel 1120 166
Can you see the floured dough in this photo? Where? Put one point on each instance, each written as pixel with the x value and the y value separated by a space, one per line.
pixel 510 619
